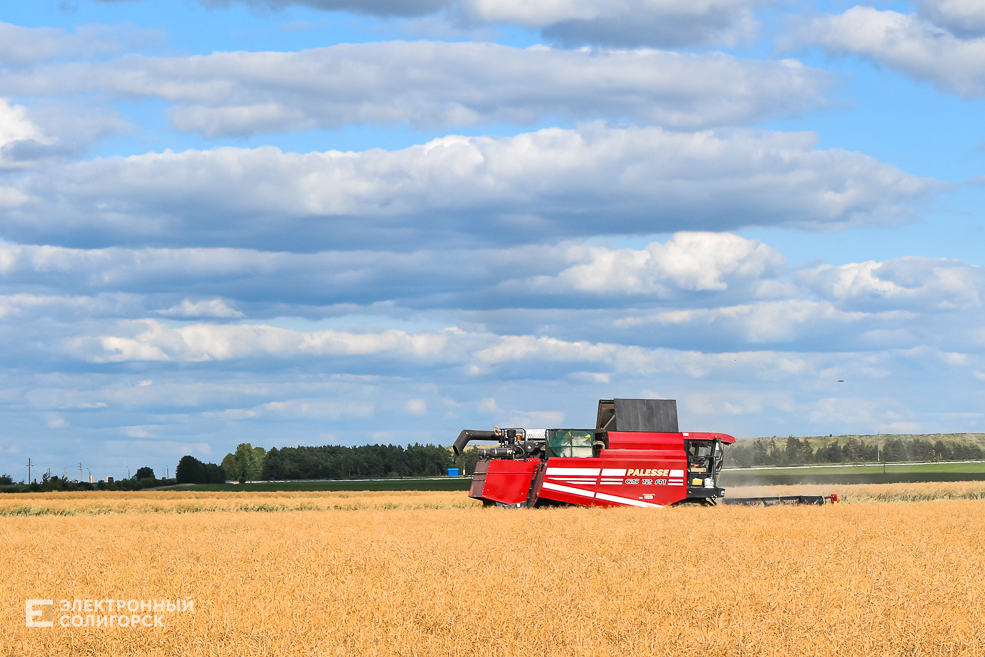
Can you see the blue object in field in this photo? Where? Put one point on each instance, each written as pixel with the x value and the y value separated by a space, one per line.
pixel 452 472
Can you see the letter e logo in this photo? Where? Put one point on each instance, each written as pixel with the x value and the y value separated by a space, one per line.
pixel 40 613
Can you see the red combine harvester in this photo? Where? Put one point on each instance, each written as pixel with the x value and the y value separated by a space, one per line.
pixel 635 456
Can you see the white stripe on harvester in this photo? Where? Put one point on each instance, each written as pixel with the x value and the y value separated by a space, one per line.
pixel 586 472
pixel 569 489
pixel 677 473
pixel 624 500
pixel 613 472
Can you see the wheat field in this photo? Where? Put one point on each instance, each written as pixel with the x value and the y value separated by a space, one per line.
pixel 438 574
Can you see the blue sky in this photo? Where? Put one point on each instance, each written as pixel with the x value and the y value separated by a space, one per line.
pixel 349 221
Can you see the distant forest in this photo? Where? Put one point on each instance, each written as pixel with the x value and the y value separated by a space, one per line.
pixel 250 463
pixel 799 451
pixel 366 461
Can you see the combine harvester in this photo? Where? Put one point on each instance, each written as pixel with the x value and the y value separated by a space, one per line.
pixel 635 456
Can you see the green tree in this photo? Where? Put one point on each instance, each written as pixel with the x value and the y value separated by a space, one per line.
pixel 894 450
pixel 144 473
pixel 230 467
pixel 248 462
pixel 213 474
pixel 190 471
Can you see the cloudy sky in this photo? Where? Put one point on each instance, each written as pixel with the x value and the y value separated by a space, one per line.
pixel 351 221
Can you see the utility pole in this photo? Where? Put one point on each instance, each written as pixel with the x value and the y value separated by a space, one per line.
pixel 28 471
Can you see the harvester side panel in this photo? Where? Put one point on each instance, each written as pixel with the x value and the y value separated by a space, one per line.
pixel 651 476
pixel 571 480
pixel 618 478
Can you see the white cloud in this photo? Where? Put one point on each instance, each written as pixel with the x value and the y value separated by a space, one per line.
pixel 903 42
pixel 689 261
pixel 15 128
pixel 593 377
pixel 550 184
pixel 440 84
pixel 912 282
pixel 150 340
pixel 147 340
pixel 204 308
pixel 416 407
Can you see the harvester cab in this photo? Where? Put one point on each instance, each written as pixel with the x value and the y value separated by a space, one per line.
pixel 704 462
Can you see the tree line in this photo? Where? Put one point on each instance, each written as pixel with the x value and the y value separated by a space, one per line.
pixel 799 451
pixel 250 463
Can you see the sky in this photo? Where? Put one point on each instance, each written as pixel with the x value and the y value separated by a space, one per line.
pixel 308 222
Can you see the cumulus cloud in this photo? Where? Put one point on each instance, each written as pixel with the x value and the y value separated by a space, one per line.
pixel 50 132
pixel 574 22
pixel 440 84
pixel 552 184
pixel 691 262
pixel 907 43
pixel 16 130
pixel 913 282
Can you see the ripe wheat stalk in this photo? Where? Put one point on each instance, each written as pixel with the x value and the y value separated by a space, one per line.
pixel 435 574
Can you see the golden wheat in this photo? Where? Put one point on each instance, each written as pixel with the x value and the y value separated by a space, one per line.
pixel 448 577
